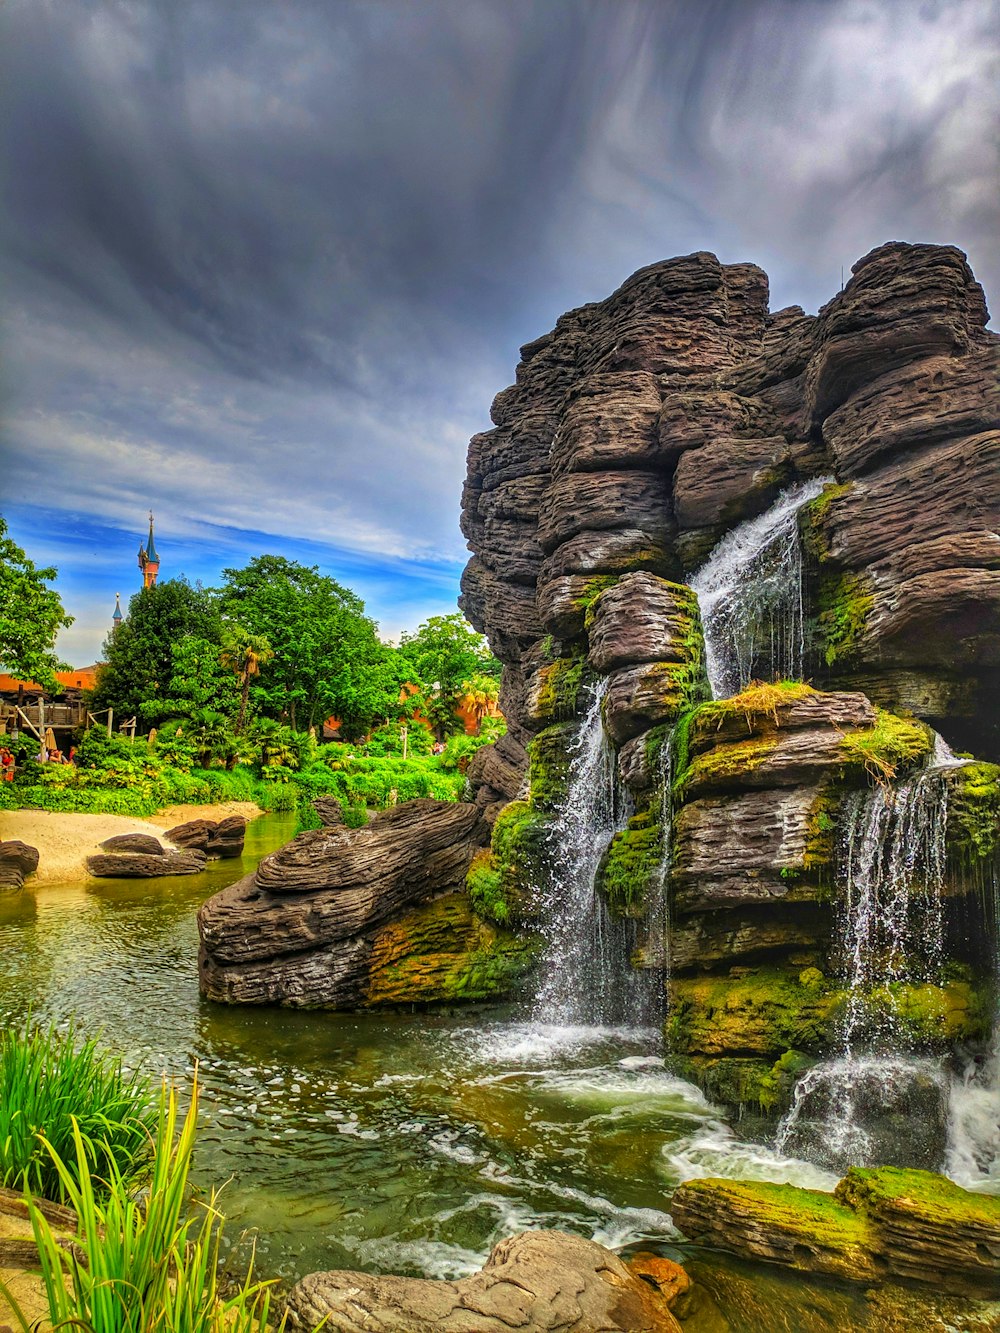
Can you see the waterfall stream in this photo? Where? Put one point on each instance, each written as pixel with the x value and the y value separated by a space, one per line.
pixel 750 593
pixel 586 973
pixel 875 1098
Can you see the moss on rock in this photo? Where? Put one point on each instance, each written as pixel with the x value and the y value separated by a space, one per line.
pixel 441 952
pixel 548 764
pixel 630 865
pixel 893 745
pixel 814 521
pixel 517 851
pixel 974 812
pixel 844 602
pixel 717 769
pixel 557 689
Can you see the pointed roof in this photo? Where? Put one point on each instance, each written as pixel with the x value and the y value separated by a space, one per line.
pixel 118 608
pixel 151 555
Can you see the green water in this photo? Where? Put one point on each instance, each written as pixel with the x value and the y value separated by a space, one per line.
pixel 403 1142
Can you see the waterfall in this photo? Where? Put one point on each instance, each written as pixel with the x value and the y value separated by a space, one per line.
pixel 750 594
pixel 854 1109
pixel 656 924
pixel 586 971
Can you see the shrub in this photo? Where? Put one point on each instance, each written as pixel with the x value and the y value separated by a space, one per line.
pixel 49 1082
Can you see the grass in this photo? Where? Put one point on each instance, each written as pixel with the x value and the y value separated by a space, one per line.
pixel 145 1264
pixel 53 1087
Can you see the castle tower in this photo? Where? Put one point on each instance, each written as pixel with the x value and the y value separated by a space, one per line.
pixel 149 561
pixel 117 618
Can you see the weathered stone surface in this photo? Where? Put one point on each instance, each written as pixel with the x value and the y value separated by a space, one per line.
pixel 903 303
pixel 610 553
pixel 140 865
pixel 539 1280
pixel 928 402
pixel 726 481
pixel 335 918
pixel 135 842
pixel 17 861
pixel 497 774
pixel 330 811
pixel 764 712
pixel 642 618
pixel 579 501
pixel 612 424
pixel 715 939
pixel 732 849
pixel 643 696
pixel 221 838
pixel 880 1224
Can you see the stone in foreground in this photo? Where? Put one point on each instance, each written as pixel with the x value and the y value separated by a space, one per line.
pixel 880 1223
pixel 17 860
pixel 538 1282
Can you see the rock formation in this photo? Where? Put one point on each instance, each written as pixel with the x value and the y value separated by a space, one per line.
pixel 221 838
pixel 344 918
pixel 144 865
pixel 879 1225
pixel 538 1281
pixel 638 433
pixel 17 861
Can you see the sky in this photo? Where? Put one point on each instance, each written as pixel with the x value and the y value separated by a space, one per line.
pixel 265 264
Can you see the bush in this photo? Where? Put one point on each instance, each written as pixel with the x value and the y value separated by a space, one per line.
pixel 52 1086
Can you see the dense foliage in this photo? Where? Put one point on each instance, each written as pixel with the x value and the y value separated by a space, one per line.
pixel 31 615
pixel 447 660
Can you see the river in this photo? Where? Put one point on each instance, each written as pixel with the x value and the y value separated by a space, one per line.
pixel 388 1142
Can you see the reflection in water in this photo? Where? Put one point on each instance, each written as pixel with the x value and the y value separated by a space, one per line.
pixel 375 1141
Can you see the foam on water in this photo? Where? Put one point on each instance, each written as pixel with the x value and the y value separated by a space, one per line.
pixel 714 1149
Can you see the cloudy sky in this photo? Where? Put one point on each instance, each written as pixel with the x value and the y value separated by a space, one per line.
pixel 266 262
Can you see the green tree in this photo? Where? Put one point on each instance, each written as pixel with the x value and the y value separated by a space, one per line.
pixel 156 648
pixel 442 655
pixel 479 694
pixel 31 615
pixel 327 657
pixel 245 654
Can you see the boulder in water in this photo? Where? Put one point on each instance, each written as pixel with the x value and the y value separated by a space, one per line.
pixel 882 1223
pixel 143 843
pixel 17 861
pixel 222 838
pixel 538 1281
pixel 140 865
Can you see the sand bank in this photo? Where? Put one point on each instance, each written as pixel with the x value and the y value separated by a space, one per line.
pixel 64 840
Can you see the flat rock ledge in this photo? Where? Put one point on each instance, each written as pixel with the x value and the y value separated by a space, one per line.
pixel 142 865
pixel 880 1224
pixel 17 861
pixel 536 1282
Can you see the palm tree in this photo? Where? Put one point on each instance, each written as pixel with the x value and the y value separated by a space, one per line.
pixel 245 654
pixel 479 697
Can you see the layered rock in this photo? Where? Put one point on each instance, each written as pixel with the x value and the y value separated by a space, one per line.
pixel 17 861
pixel 353 917
pixel 216 838
pixel 536 1281
pixel 144 865
pixel 884 1224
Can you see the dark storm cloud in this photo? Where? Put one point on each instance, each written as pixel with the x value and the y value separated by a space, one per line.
pixel 267 262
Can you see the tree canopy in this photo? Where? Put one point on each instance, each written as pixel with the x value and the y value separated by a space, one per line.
pixel 444 654
pixel 31 615
pixel 327 659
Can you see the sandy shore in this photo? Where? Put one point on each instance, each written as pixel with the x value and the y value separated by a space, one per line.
pixel 64 841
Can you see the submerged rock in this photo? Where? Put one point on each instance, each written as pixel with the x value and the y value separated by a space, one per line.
pixel 879 1224
pixel 538 1282
pixel 142 865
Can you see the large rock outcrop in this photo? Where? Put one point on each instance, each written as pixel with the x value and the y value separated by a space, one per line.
pixel 17 861
pixel 638 433
pixel 538 1282
pixel 345 918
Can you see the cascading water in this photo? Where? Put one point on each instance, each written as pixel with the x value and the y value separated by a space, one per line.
pixel 750 594
pixel 865 1104
pixel 656 923
pixel 586 973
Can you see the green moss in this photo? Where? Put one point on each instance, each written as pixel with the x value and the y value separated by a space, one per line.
pixel 935 1015
pixel 774 1092
pixel 724 766
pixel 974 812
pixel 934 1198
pixel 891 745
pixel 757 704
pixel 548 764
pixel 630 865
pixel 517 852
pixel 845 602
pixel 814 519
pixel 485 887
pixel 558 689
pixel 821 830
pixel 441 953
pixel 762 1012
pixel 590 592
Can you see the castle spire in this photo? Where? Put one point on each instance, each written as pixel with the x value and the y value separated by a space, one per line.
pixel 117 618
pixel 149 561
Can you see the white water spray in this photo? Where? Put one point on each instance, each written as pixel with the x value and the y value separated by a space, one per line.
pixel 750 594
